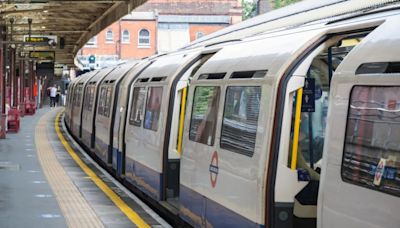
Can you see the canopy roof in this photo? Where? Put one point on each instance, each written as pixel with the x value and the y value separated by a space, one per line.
pixel 74 21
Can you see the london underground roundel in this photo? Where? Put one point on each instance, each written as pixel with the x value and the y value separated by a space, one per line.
pixel 214 169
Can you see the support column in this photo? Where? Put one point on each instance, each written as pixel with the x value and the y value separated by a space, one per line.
pixel 31 80
pixel 14 80
pixel 22 87
pixel 2 85
pixel 3 95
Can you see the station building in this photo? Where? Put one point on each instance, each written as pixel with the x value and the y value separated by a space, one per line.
pixel 158 26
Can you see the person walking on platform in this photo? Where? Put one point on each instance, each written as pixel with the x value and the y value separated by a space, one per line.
pixel 53 94
pixel 58 96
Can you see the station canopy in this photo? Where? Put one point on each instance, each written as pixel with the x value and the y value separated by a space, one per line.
pixel 66 25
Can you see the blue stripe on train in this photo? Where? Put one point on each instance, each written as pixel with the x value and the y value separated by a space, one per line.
pixel 143 177
pixel 201 211
pixel 117 161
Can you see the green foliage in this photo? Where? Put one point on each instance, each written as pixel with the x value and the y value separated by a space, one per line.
pixel 249 9
pixel 283 3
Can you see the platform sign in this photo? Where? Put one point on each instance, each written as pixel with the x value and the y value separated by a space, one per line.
pixel 42 55
pixel 308 100
pixel 36 39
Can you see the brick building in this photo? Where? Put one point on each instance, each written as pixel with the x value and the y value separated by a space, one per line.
pixel 158 26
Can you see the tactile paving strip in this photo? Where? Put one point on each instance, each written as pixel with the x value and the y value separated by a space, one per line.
pixel 76 210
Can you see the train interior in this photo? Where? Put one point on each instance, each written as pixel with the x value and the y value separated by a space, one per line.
pixel 308 132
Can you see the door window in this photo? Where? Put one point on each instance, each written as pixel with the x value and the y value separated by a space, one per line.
pixel 204 114
pixel 371 156
pixel 153 108
pixel 239 127
pixel 136 116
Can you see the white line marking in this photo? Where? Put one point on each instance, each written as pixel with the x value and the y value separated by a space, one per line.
pixel 32 171
pixel 47 216
pixel 43 196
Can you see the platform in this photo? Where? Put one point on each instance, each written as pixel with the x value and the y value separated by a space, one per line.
pixel 46 181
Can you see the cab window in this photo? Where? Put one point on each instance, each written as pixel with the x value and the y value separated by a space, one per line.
pixel 204 114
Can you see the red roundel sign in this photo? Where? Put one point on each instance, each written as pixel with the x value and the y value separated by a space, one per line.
pixel 214 169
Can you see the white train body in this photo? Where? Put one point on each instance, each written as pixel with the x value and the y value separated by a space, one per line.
pixel 215 132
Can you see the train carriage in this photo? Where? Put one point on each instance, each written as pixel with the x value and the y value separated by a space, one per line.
pixel 90 106
pixel 118 134
pixel 77 101
pixel 104 119
pixel 146 126
pixel 361 183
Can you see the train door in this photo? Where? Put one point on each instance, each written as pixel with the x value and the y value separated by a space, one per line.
pixel 303 132
pixel 177 116
pixel 361 187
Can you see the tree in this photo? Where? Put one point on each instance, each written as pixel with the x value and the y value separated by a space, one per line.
pixel 249 9
pixel 283 3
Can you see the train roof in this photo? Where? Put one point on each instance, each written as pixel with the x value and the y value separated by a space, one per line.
pixel 293 16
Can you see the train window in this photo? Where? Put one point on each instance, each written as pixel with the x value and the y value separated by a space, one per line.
pixel 158 79
pixel 249 74
pixel 77 97
pixel 153 108
pixel 204 114
pixel 242 105
pixel 89 98
pixel 379 68
pixel 213 76
pixel 136 115
pixel 107 104
pixel 243 74
pixel 102 100
pixel 371 156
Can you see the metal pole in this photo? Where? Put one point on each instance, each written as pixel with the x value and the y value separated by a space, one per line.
pixel 13 75
pixel 330 64
pixel 31 80
pixel 3 96
pixel 22 87
pixel 14 80
pixel 2 85
pixel 39 81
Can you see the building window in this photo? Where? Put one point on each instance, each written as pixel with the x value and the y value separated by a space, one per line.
pixel 242 105
pixel 371 156
pixel 92 41
pixel 136 116
pixel 153 108
pixel 125 36
pixel 144 38
pixel 109 36
pixel 199 35
pixel 204 114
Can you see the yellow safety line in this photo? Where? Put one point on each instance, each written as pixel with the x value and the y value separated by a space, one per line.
pixel 296 128
pixel 132 215
pixel 182 119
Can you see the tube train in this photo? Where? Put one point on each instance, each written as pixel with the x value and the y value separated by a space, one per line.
pixel 292 122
